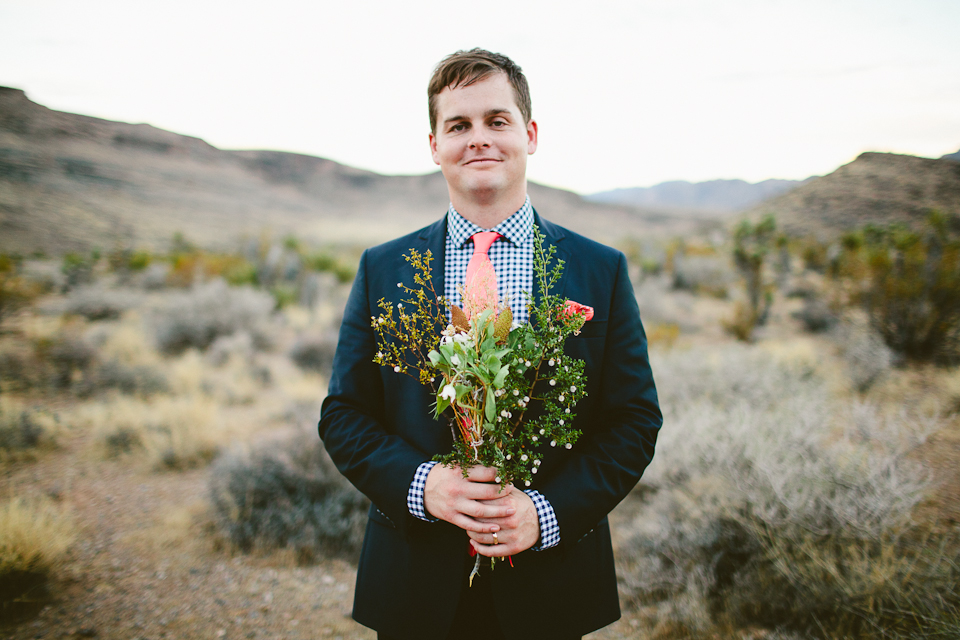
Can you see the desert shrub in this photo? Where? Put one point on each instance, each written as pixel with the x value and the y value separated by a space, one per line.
pixel 867 357
pixel 314 353
pixel 170 433
pixel 16 292
pixel 771 504
pixel 78 267
pixel 142 380
pixel 709 275
pixel 208 311
pixel 99 303
pixel 288 497
pixel 34 539
pixel 127 259
pixel 21 428
pixel 816 315
pixel 751 245
pixel 65 358
pixel 324 261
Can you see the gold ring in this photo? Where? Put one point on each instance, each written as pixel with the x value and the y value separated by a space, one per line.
pixel 495 541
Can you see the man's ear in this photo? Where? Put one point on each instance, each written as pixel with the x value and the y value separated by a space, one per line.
pixel 433 149
pixel 531 137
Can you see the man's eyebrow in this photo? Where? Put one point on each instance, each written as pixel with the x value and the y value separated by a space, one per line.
pixel 490 112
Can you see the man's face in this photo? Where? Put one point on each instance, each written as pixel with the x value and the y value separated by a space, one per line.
pixel 482 142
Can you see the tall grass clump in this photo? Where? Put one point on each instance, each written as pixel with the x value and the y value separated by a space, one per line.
pixel 195 318
pixel 34 539
pixel 290 496
pixel 770 504
pixel 169 433
pixel 22 429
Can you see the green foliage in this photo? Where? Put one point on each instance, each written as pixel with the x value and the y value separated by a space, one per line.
pixel 78 267
pixel 752 243
pixel 519 385
pixel 284 294
pixel 16 292
pixel 323 261
pixel 909 282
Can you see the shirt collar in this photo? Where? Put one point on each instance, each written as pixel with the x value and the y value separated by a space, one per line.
pixel 516 228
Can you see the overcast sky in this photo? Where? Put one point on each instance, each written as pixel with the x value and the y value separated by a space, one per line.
pixel 626 93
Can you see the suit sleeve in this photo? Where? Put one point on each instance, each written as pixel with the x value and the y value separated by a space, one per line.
pixel 608 461
pixel 380 464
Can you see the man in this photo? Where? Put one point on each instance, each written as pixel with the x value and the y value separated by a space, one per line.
pixel 377 424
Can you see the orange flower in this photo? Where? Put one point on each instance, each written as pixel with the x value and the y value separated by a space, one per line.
pixel 573 308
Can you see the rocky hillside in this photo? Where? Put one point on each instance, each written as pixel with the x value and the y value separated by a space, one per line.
pixel 712 196
pixel 71 182
pixel 876 187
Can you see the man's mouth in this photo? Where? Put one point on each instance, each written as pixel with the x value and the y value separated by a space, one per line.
pixel 482 160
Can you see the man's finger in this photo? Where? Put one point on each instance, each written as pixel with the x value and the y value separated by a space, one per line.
pixel 472 526
pixel 482 474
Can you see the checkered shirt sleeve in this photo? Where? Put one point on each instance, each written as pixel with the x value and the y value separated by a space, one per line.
pixel 511 256
pixel 415 493
pixel 549 527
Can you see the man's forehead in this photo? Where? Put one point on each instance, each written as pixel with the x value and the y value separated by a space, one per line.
pixel 478 95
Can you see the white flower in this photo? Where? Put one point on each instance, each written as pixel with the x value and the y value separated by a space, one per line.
pixel 568 446
pixel 567 369
pixel 509 456
pixel 526 399
pixel 379 354
pixel 561 398
pixel 504 413
pixel 399 285
pixel 516 392
pixel 573 389
pixel 551 363
pixel 542 431
pixel 526 483
pixel 553 383
pixel 396 369
pixel 446 340
pixel 497 479
pixel 536 462
pixel 449 393
pixel 455 360
pixel 561 421
pixel 534 470
pixel 527 363
pixel 567 410
pixel 535 438
pixel 523 458
pixel 381 320
pixel 553 443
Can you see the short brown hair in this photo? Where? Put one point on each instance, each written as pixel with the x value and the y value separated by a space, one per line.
pixel 464 68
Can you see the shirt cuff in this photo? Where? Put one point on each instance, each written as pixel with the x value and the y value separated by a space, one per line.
pixel 415 494
pixel 549 527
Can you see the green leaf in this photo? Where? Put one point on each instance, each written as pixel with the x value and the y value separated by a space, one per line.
pixel 442 404
pixel 501 376
pixel 434 357
pixel 490 406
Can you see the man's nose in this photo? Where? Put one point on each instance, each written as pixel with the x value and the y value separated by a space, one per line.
pixel 478 138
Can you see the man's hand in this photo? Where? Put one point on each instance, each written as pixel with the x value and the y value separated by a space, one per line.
pixel 470 503
pixel 518 532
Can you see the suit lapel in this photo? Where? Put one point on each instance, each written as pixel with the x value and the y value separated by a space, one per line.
pixel 553 237
pixel 434 240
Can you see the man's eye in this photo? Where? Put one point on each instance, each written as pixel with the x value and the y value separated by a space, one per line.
pixel 458 127
pixel 498 123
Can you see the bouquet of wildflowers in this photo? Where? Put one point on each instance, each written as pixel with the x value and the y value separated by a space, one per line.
pixel 508 388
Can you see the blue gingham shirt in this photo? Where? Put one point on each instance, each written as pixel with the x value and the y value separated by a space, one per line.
pixel 512 259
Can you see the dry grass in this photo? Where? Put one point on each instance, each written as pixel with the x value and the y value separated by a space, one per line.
pixel 25 429
pixel 34 538
pixel 169 433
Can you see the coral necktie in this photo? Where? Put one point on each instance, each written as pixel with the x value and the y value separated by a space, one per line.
pixel 480 284
pixel 482 242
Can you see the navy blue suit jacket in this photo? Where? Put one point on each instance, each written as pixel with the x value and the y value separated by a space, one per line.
pixel 377 427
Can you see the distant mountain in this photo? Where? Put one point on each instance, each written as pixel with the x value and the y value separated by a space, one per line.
pixel 879 188
pixel 952 156
pixel 718 196
pixel 70 182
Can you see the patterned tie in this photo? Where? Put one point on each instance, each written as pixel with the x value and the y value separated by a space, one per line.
pixel 480 283
pixel 482 241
